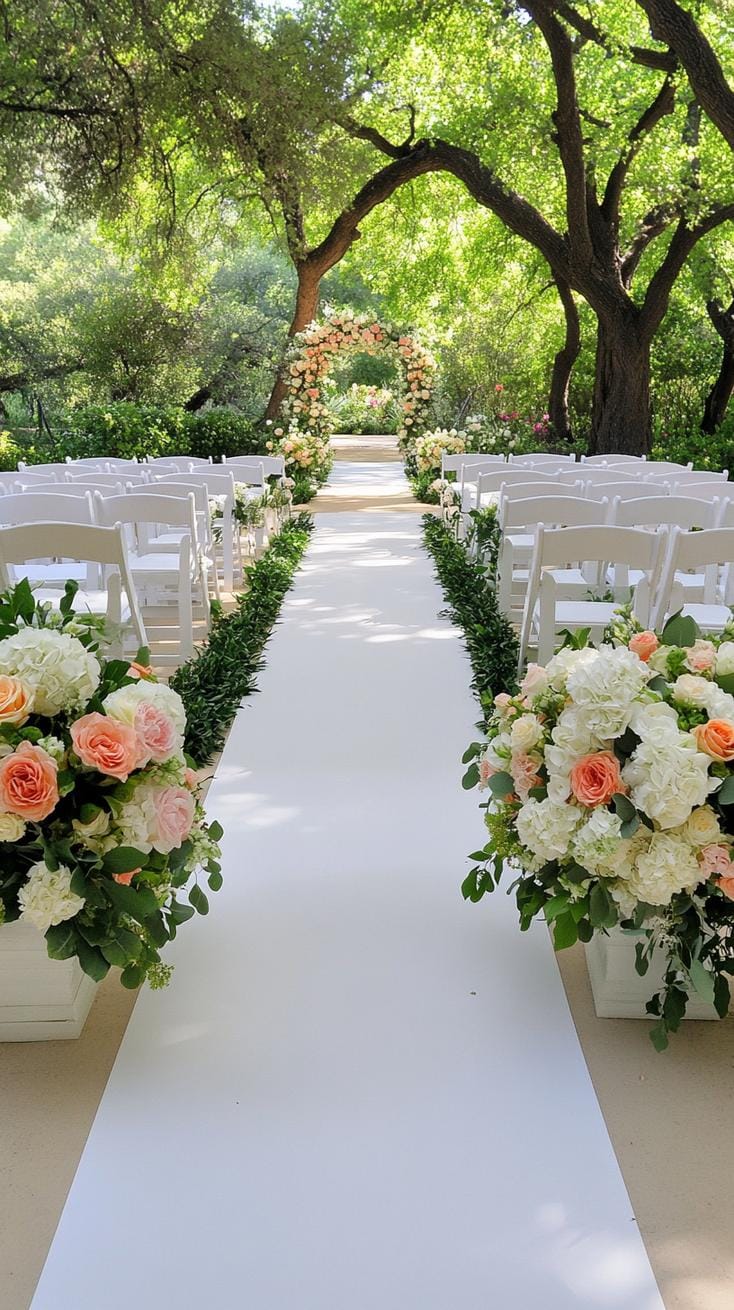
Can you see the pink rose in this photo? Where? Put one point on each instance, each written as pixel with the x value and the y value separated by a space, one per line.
pixel 524 771
pixel 501 700
pixel 701 656
pixel 174 818
pixel 535 680
pixel 190 779
pixel 596 778
pixel 486 771
pixel 106 744
pixel 716 859
pixel 643 645
pixel 28 783
pixel 157 735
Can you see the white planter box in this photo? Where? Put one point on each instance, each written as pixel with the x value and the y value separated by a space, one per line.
pixel 619 991
pixel 40 999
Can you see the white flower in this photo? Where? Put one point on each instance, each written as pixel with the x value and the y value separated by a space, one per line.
pixel 702 828
pixel 654 721
pixel 535 682
pixel 123 704
pixel 54 747
pixel 605 689
pixel 690 689
pixel 595 842
pixel 719 704
pixel 46 898
pixel 64 675
pixel 669 865
pixel 564 662
pixel 525 733
pixel 725 658
pixel 545 827
pixel 623 898
pixel 668 778
pixel 12 827
pixel 98 826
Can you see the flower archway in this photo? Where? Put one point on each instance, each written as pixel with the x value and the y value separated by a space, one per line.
pixel 313 353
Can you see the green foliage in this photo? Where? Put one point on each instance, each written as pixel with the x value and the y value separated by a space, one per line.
pixel 490 638
pixel 213 683
pixel 125 431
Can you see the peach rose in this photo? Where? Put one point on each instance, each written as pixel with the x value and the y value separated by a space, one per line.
pixel 140 670
pixel 157 736
pixel 28 783
pixel 716 738
pixel 701 656
pixel 596 778
pixel 644 644
pixel 174 818
pixel 16 700
pixel 190 779
pixel 106 744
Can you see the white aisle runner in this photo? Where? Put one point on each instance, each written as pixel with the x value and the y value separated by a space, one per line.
pixel 358 1092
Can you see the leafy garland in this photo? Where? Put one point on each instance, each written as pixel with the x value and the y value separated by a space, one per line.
pixel 491 640
pixel 214 681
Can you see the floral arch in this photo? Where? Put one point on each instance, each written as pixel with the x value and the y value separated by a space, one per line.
pixel 313 353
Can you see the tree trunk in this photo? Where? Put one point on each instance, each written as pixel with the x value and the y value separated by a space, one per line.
pixel 720 394
pixel 563 365
pixel 306 309
pixel 620 420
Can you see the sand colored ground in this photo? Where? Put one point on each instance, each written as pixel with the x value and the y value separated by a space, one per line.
pixel 668 1115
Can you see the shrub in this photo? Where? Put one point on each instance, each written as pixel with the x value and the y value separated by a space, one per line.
pixel 222 432
pixel 125 430
pixel 10 453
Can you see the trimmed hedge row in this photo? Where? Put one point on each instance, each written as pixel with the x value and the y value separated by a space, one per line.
pixel 490 638
pixel 213 683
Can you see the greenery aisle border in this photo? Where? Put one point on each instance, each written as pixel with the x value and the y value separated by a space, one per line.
pixel 214 681
pixel 490 638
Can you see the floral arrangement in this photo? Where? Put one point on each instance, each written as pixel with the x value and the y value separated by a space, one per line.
pixel 101 830
pixel 611 796
pixel 313 352
pixel 307 454
pixel 429 449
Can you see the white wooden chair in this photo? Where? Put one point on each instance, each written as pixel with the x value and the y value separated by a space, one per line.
pixel 71 490
pixel 630 489
pixel 543 462
pixel 454 463
pixel 518 521
pixel 179 463
pixel 26 543
pixel 167 538
pixel 122 477
pixel 52 472
pixel 708 554
pixel 220 486
pixel 708 489
pixel 52 507
pixel 162 579
pixel 546 614
pixel 658 513
pixel 490 484
pixel 687 477
pixel 28 478
pixel 603 461
pixel 273 465
pixel 595 475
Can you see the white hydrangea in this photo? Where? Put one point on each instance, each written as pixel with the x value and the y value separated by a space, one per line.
pixel 668 778
pixel 564 662
pixel 570 739
pixel 668 866
pixel 64 675
pixel 595 842
pixel 725 658
pixel 46 898
pixel 719 704
pixel 545 827
pixel 123 703
pixel 654 721
pixel 606 689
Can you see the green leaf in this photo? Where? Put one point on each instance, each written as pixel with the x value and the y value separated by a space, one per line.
pixel 133 976
pixel 602 910
pixel 216 831
pixel 565 932
pixel 471 753
pixel 725 794
pixel 722 996
pixel 501 784
pixel 623 807
pixel 659 1036
pixel 114 953
pixel 680 630
pixel 92 961
pixel 585 930
pixel 61 940
pixel 181 913
pixel 703 981
pixel 726 682
pixel 674 1006
pixel 139 902
pixel 198 899
pixel 642 959
pixel 471 777
pixel 658 684
pixel 215 881
pixel 130 942
pixel 556 905
pixel 630 826
pixel 123 859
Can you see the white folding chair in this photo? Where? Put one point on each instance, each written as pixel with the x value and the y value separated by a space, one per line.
pixel 52 472
pixel 25 543
pixel 163 580
pixel 705 489
pixel 51 507
pixel 490 484
pixel 630 489
pixel 28 478
pixel 659 513
pixel 603 461
pixel 708 554
pixel 595 475
pixel 687 477
pixel 167 538
pixel 518 520
pixel 453 463
pixel 179 463
pixel 545 614
pixel 273 465
pixel 220 484
pixel 122 477
pixel 71 490
pixel 545 461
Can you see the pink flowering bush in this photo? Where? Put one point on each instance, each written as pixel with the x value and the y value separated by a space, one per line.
pixel 101 830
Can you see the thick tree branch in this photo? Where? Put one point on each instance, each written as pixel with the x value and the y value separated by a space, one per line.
pixel 653 225
pixel 684 240
pixel 567 119
pixel 670 23
pixel 28 377
pixel 661 106
pixel 588 31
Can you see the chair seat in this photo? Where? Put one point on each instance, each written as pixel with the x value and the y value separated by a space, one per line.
pixel 710 618
pixel 156 563
pixel 59 573
pixel 94 602
pixel 582 613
